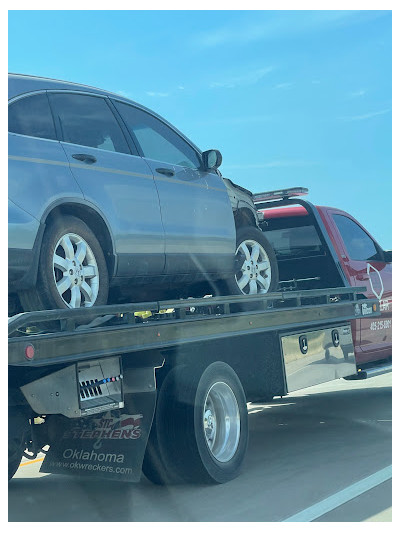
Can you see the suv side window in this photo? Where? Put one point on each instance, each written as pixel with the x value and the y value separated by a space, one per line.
pixel 89 121
pixel 31 116
pixel 359 245
pixel 156 139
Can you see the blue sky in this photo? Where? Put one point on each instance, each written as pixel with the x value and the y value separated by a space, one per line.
pixel 291 98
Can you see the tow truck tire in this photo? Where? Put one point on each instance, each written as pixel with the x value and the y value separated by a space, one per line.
pixel 256 270
pixel 72 271
pixel 200 431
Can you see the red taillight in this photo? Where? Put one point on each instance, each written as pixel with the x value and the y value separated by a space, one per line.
pixel 29 352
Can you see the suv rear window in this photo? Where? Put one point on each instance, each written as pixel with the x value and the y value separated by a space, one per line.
pixel 31 116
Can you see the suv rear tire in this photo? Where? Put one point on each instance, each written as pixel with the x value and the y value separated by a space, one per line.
pixel 72 270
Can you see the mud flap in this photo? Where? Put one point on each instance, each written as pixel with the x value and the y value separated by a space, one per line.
pixel 109 445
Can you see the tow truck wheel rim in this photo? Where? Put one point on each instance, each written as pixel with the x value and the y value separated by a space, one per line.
pixel 254 276
pixel 221 419
pixel 75 271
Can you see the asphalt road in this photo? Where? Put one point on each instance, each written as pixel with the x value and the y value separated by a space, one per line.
pixel 309 447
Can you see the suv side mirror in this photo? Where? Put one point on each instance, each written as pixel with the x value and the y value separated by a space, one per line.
pixel 212 159
pixel 387 256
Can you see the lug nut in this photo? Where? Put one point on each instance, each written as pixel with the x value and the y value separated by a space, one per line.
pixel 71 271
pixel 75 281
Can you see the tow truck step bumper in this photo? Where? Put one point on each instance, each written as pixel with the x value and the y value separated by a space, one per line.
pixel 371 372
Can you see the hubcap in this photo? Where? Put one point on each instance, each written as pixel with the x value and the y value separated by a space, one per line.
pixel 254 276
pixel 75 271
pixel 221 421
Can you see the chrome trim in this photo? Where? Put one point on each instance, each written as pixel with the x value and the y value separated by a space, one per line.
pixel 37 160
pixel 25 95
pixel 78 165
pixel 72 83
pixel 32 137
pixel 376 371
pixel 84 93
pixel 106 169
pixel 180 182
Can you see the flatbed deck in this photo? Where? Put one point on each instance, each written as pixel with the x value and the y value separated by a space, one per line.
pixel 115 329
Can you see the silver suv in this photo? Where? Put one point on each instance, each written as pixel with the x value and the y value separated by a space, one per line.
pixel 109 202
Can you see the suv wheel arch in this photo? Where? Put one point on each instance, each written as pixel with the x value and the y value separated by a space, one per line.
pixel 94 220
pixel 244 217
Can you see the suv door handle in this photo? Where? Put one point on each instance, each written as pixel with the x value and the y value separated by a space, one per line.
pixel 166 171
pixel 362 277
pixel 86 158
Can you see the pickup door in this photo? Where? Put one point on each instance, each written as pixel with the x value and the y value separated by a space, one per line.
pixel 364 263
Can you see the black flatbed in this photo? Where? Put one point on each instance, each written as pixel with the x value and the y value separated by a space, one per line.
pixel 84 334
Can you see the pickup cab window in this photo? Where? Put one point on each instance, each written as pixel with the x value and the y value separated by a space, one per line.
pixel 295 242
pixel 358 243
pixel 293 237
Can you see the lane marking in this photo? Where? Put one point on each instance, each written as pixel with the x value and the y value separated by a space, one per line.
pixel 383 516
pixel 341 497
pixel 33 461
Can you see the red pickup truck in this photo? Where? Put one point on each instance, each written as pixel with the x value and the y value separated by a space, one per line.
pixel 320 247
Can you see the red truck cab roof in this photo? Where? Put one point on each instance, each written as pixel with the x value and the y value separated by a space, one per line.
pixel 279 212
pixel 293 211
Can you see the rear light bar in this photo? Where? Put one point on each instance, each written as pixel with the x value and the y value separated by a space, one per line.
pixel 279 194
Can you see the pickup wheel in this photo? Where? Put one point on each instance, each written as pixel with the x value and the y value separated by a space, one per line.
pixel 256 267
pixel 200 430
pixel 72 270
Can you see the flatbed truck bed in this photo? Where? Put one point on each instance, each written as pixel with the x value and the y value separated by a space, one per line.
pixel 162 387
